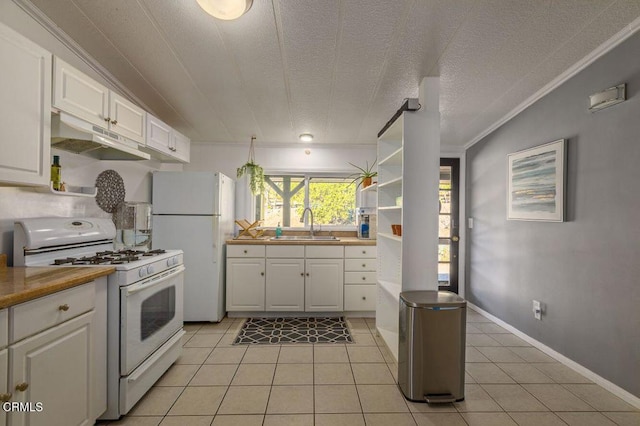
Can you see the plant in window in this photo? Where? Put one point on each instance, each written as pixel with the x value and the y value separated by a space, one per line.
pixel 364 174
pixel 253 171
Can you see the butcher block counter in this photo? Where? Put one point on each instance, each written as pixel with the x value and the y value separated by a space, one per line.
pixel 22 284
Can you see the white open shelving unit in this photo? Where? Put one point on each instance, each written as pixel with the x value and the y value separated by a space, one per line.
pixel 408 180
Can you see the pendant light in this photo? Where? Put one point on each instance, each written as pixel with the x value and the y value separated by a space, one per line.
pixel 226 9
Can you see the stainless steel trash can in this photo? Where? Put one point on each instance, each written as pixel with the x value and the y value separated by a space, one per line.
pixel 431 352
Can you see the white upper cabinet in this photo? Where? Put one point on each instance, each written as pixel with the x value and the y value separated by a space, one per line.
pixel 25 103
pixel 78 94
pixel 165 143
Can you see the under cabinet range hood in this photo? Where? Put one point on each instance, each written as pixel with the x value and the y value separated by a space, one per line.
pixel 69 133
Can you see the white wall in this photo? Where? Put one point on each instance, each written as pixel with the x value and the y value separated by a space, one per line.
pixel 322 158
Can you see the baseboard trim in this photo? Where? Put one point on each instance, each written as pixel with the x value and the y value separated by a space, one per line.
pixel 611 387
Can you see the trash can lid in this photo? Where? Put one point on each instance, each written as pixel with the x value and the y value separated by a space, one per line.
pixel 430 298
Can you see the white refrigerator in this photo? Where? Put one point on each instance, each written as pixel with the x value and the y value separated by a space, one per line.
pixel 194 212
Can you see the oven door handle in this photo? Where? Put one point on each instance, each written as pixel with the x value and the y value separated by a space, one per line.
pixel 136 288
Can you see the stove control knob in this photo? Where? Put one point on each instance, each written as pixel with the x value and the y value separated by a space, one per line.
pixel 142 272
pixel 150 269
pixel 175 260
pixel 169 262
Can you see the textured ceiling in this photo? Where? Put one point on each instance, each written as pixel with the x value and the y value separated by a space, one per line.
pixel 338 69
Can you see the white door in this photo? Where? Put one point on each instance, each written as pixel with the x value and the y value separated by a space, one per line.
pixel 25 110
pixel 5 396
pixel 285 285
pixel 197 236
pixel 55 368
pixel 324 284
pixel 151 311
pixel 181 147
pixel 127 119
pixel 80 95
pixel 245 284
pixel 185 193
pixel 159 135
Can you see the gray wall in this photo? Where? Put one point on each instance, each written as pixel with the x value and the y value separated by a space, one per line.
pixel 586 271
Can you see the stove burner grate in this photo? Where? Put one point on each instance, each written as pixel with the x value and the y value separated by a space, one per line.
pixel 109 257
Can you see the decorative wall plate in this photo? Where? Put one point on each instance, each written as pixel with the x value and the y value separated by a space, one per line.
pixel 110 190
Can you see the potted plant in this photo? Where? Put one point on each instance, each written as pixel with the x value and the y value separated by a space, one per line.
pixel 253 171
pixel 364 175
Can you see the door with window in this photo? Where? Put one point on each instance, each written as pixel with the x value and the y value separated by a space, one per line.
pixel 448 230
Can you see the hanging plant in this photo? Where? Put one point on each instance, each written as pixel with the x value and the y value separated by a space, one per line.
pixel 254 171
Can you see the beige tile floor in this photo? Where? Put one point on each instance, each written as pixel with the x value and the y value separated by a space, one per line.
pixel 508 382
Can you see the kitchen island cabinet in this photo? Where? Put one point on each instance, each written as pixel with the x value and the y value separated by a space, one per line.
pixel 25 105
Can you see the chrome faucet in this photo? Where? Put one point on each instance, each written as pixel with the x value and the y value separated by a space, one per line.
pixel 311 214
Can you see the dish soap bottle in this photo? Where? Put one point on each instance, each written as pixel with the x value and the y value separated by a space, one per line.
pixel 56 173
pixel 278 231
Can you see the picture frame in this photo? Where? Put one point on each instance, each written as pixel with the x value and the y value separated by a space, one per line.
pixel 536 183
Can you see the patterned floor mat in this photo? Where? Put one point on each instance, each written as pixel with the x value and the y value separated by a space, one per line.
pixel 293 330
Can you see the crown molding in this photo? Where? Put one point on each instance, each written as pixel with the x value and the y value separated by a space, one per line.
pixel 596 54
pixel 46 23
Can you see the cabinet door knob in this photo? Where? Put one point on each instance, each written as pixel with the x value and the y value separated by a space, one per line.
pixel 307 274
pixel 107 119
pixel 262 273
pixel 302 274
pixel 364 252
pixel 364 297
pixel 4 397
pixel 114 122
pixel 64 307
pixel 245 252
pixel 22 386
pixel 364 278
pixel 364 265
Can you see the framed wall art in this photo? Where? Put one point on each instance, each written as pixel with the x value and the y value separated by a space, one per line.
pixel 536 183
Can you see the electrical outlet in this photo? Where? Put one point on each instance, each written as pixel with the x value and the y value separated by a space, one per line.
pixel 537 310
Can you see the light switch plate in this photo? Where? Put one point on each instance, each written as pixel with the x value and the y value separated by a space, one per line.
pixel 537 310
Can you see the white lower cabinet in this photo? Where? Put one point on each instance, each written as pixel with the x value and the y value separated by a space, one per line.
pixel 360 278
pixel 323 289
pixel 297 278
pixel 285 285
pixel 5 396
pixel 245 284
pixel 54 368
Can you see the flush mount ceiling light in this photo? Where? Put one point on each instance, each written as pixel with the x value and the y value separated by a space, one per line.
pixel 607 98
pixel 226 9
pixel 306 137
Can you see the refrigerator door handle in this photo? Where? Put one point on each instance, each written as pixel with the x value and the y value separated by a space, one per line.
pixel 216 237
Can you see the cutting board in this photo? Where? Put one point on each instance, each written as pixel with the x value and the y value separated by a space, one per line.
pixel 3 260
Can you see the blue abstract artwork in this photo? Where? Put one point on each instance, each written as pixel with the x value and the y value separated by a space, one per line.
pixel 536 183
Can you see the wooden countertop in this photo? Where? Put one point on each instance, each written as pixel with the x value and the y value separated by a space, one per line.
pixel 22 284
pixel 343 241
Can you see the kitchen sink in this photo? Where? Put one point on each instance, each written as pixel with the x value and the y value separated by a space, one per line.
pixel 305 238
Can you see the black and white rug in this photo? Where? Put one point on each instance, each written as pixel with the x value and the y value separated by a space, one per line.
pixel 293 330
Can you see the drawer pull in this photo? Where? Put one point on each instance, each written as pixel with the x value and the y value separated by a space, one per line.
pixel 364 278
pixel 64 307
pixel 114 122
pixel 107 119
pixel 364 297
pixel 22 386
pixel 364 252
pixel 4 397
pixel 364 265
pixel 245 252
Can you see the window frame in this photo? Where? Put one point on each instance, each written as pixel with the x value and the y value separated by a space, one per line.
pixel 306 176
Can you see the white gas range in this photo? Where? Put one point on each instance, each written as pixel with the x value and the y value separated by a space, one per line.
pixel 144 298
